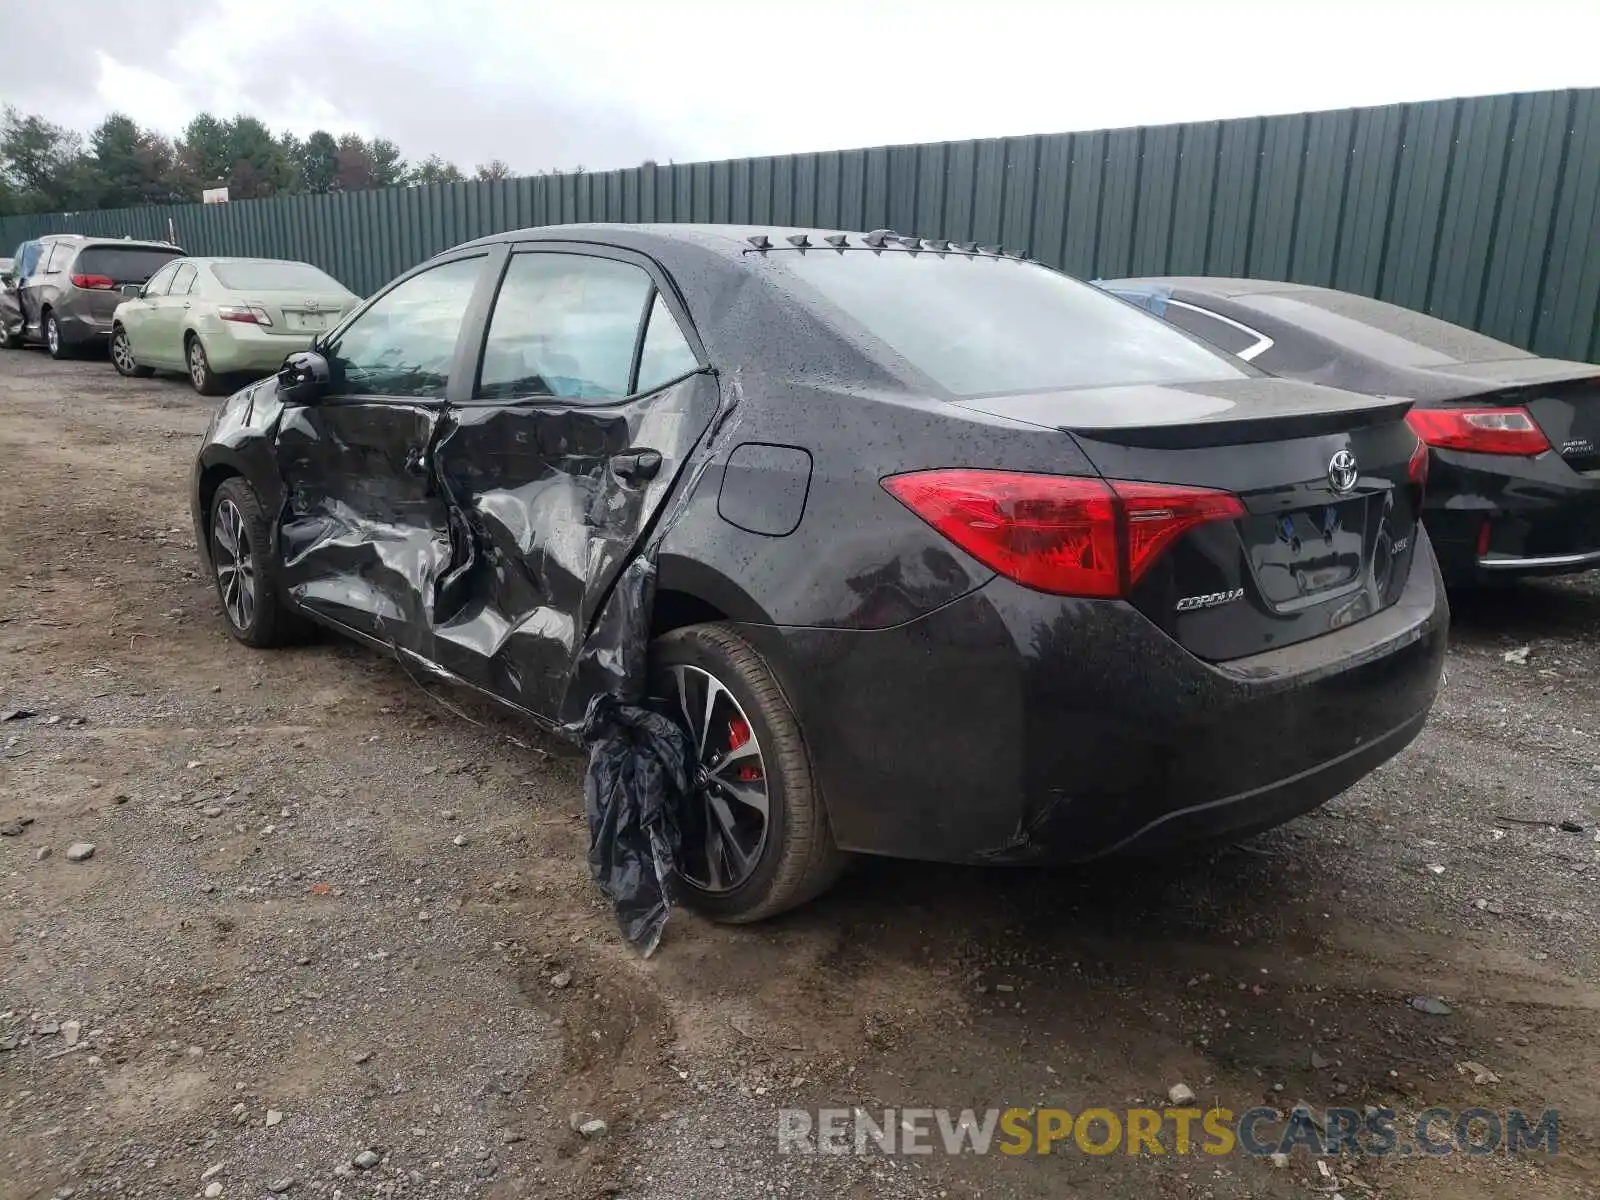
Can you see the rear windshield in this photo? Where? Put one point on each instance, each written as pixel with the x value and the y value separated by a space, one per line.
pixel 274 277
pixel 124 264
pixel 985 325
pixel 1382 331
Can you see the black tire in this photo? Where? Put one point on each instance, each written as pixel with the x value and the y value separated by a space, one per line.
pixel 201 376
pixel 10 340
pixel 266 620
pixel 54 344
pixel 797 859
pixel 122 356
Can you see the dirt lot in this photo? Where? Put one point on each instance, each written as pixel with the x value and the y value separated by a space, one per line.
pixel 325 916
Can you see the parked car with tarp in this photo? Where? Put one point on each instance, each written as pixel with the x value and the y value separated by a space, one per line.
pixel 1514 482
pixel 928 551
pixel 218 318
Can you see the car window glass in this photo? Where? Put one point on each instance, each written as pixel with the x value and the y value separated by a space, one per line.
pixel 59 253
pixel 28 259
pixel 988 325
pixel 182 281
pixel 125 264
pixel 666 354
pixel 1224 335
pixel 404 343
pixel 157 286
pixel 564 325
pixel 267 275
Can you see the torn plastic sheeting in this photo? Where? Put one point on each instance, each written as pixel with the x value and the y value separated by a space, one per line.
pixel 1148 297
pixel 637 781
pixel 638 774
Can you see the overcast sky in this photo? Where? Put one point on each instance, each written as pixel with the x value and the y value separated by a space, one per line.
pixel 608 83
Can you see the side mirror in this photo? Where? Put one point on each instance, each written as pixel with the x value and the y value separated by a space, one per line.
pixel 131 291
pixel 303 377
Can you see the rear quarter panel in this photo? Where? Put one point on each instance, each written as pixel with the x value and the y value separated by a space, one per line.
pixel 857 559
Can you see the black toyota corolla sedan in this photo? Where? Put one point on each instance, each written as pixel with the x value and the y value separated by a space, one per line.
pixel 953 557
pixel 1514 485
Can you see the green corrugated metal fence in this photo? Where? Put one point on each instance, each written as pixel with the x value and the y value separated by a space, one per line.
pixel 1484 211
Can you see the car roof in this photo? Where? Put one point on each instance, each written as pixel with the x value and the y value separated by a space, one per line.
pixel 84 239
pixel 212 260
pixel 733 242
pixel 1383 343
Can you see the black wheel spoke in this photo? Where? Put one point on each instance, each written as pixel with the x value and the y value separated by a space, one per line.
pixel 235 565
pixel 726 829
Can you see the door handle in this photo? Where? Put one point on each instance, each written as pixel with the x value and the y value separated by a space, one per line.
pixel 636 465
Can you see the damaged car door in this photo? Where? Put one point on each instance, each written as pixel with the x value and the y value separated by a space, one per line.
pixel 365 535
pixel 589 397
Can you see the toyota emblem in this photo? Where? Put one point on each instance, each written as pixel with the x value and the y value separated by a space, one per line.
pixel 1342 472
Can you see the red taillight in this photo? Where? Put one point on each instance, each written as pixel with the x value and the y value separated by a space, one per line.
pixel 1058 533
pixel 95 283
pixel 1480 430
pixel 244 314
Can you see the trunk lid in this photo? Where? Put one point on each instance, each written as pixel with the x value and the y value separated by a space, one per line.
pixel 1569 414
pixel 1330 521
pixel 298 314
pixel 120 263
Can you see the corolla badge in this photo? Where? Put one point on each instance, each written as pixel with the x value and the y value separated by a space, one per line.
pixel 1342 472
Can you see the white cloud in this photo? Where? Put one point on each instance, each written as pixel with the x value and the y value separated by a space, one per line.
pixel 608 82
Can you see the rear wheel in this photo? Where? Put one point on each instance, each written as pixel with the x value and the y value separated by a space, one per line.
pixel 122 356
pixel 53 342
pixel 244 566
pixel 756 839
pixel 205 380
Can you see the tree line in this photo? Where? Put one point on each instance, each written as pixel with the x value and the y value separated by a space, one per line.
pixel 45 167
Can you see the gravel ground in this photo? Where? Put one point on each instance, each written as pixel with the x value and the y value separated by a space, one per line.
pixel 331 933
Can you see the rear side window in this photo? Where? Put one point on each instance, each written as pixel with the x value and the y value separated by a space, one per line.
pixel 666 355
pixel 124 264
pixel 60 252
pixel 183 280
pixel 1224 334
pixel 270 276
pixel 985 325
pixel 564 325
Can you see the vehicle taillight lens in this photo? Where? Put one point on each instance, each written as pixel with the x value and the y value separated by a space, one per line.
pixel 1058 533
pixel 1480 430
pixel 243 314
pixel 97 283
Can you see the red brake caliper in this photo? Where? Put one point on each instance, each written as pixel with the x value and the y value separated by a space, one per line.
pixel 738 735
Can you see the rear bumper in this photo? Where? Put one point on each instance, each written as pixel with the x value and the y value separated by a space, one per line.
pixel 1015 726
pixel 245 349
pixel 1543 516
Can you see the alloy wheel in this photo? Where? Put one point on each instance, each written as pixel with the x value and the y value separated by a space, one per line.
pixel 52 336
pixel 725 829
pixel 122 353
pixel 197 363
pixel 235 564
